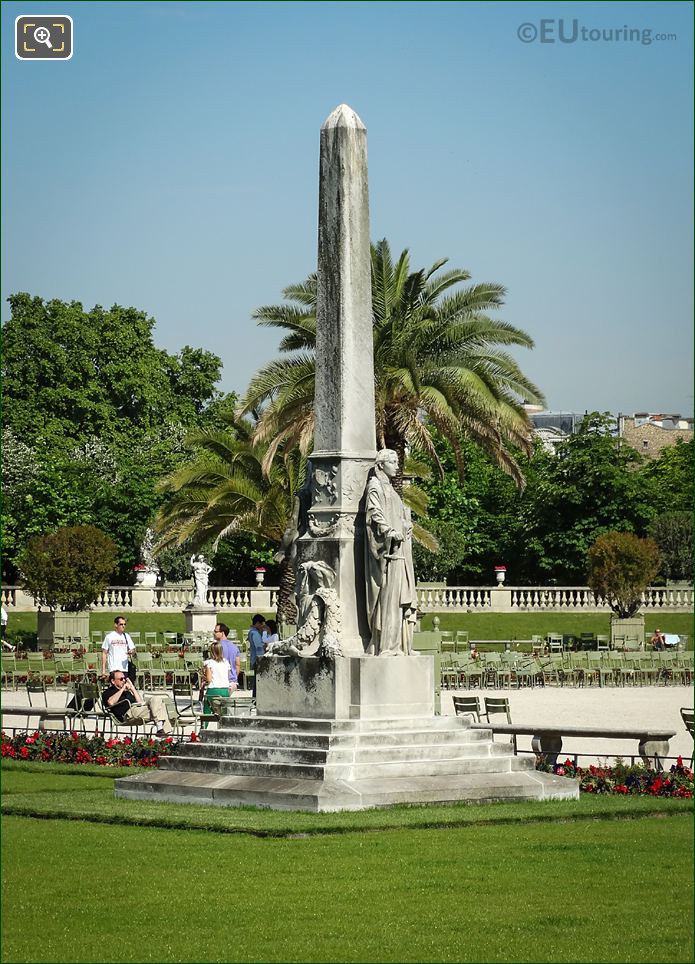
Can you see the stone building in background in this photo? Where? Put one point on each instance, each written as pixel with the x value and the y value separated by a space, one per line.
pixel 650 433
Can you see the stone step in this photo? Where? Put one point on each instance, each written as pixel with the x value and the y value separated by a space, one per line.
pixel 317 796
pixel 240 736
pixel 329 755
pixel 342 726
pixel 346 771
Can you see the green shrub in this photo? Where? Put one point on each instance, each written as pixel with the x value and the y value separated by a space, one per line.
pixel 68 568
pixel 621 567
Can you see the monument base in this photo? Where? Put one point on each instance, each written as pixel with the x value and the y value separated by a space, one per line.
pixel 353 688
pixel 200 619
pixel 370 747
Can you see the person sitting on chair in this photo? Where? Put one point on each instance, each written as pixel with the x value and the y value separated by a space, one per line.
pixel 125 703
pixel 658 640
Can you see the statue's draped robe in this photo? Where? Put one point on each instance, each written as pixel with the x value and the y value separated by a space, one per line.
pixel 391 596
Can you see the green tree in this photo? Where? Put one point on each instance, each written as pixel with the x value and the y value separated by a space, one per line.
pixel 77 374
pixel 621 566
pixel 590 486
pixel 473 515
pixel 230 488
pixel 68 568
pixel 95 415
pixel 673 534
pixel 671 478
pixel 434 353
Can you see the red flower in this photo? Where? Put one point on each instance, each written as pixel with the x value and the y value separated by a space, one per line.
pixel 45 755
pixel 194 737
pixel 24 752
pixel 169 740
pixel 75 735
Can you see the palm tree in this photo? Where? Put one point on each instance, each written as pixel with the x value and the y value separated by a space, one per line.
pixel 435 354
pixel 228 490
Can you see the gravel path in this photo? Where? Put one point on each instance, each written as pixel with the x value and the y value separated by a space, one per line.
pixel 594 706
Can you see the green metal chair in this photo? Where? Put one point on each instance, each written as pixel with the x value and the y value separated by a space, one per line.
pixel 467 706
pixel 42 668
pixel 499 706
pixel 554 643
pixel 36 685
pixel 462 641
pixel 186 715
pixel 10 673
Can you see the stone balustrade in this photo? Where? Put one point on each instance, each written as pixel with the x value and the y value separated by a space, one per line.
pixel 431 599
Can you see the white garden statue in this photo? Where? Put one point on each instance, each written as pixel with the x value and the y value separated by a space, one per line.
pixel 201 575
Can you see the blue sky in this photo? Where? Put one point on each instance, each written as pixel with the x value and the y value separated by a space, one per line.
pixel 172 164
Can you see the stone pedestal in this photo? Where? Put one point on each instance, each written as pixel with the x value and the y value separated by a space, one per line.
pixel 500 600
pixel 200 619
pixel 59 623
pixel 142 599
pixel 354 688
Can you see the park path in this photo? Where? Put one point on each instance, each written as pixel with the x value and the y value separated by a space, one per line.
pixel 594 706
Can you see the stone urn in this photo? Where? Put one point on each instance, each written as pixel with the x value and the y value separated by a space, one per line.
pixel 146 577
pixel 500 574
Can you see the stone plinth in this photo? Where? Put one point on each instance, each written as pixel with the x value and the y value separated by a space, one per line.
pixel 200 619
pixel 324 765
pixel 360 687
pixel 59 623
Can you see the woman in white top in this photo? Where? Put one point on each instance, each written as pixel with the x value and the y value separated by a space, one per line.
pixel 216 677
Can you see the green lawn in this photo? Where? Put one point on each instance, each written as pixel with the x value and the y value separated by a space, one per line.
pixel 563 881
pixel 478 625
pixel 530 892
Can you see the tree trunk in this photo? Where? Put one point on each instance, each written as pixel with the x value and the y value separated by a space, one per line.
pixel 393 439
pixel 286 609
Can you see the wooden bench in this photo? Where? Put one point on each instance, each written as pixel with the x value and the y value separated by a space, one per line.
pixel 548 739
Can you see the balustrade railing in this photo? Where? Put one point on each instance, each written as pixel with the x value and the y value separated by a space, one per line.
pixel 115 597
pixel 457 598
pixel 430 599
pixel 543 598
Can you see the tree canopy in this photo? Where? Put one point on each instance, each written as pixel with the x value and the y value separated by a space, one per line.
pixel 435 353
pixel 95 414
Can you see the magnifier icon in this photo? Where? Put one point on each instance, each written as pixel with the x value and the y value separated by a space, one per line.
pixel 42 35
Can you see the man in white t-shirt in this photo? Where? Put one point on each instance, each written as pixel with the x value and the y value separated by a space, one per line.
pixel 116 648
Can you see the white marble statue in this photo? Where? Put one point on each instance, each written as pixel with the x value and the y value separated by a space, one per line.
pixel 146 550
pixel 201 575
pixel 390 578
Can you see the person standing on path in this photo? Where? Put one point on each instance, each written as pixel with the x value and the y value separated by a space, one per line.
pixel 116 649
pixel 256 645
pixel 231 653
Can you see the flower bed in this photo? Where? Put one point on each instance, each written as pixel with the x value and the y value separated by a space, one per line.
pixel 82 748
pixel 622 779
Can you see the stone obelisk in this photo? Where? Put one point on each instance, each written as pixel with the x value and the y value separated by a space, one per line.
pixel 344 441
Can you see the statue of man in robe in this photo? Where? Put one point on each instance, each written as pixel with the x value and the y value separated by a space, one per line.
pixel 391 595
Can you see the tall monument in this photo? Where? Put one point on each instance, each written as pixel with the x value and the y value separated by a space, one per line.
pixel 344 439
pixel 337 727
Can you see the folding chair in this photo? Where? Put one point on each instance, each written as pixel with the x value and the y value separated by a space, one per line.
pixel 36 685
pixel 499 706
pixel 467 706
